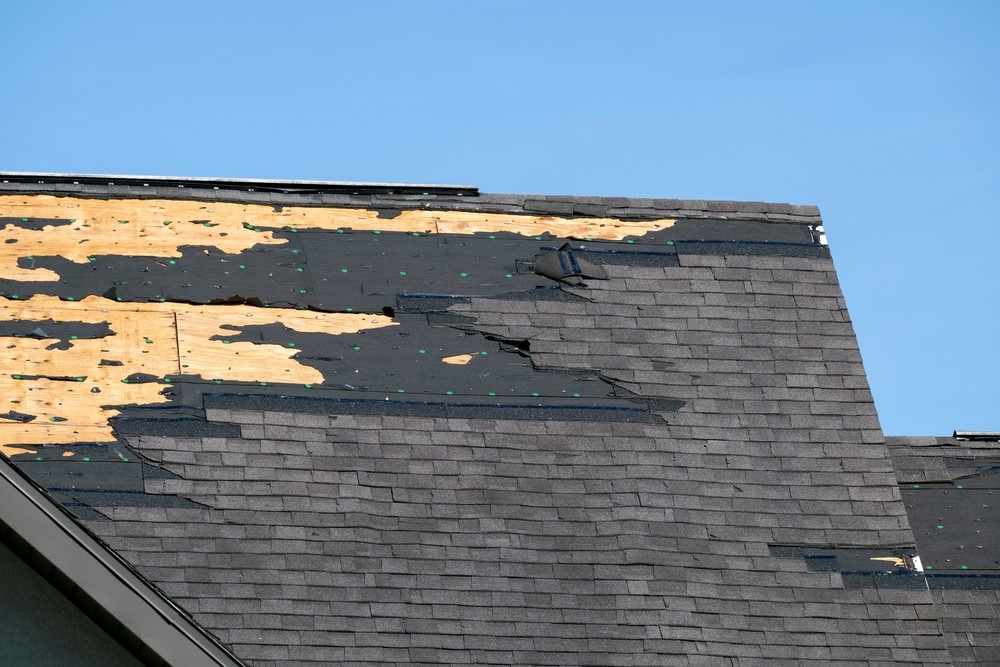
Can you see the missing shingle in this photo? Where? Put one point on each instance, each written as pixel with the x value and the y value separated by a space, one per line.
pixel 860 567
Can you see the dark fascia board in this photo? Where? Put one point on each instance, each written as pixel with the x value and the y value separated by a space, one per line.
pixel 262 184
pixel 109 581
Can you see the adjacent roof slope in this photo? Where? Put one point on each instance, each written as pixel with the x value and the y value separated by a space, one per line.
pixel 587 430
pixel 950 487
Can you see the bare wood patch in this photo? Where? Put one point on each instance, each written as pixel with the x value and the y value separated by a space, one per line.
pixel 158 340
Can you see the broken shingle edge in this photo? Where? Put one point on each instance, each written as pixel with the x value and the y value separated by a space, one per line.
pixel 64 551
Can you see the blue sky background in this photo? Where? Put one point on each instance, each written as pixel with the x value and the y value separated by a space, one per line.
pixel 886 115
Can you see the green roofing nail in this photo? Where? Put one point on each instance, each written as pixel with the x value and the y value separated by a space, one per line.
pixel 402 273
pixel 492 393
pixel 171 261
pixel 575 395
pixel 291 344
pixel 534 393
pixel 73 338
pixel 350 310
pixel 508 275
pixel 79 379
pixel 299 269
pixel 225 342
pixel 464 274
pixel 422 351
pixel 86 458
pixel 939 527
pixel 450 393
pixel 965 567
pixel 400 391
pixel 243 266
pixel 355 347
pixel 340 231
pixel 295 251
pixel 492 236
pixel 376 231
pixel 484 353
pixel 343 270
pixel 308 386
pixel 959 486
pixel 302 291
pixel 16 377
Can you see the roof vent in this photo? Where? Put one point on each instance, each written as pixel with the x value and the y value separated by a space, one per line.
pixel 978 436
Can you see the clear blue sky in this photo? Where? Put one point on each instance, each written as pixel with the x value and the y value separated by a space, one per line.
pixel 886 115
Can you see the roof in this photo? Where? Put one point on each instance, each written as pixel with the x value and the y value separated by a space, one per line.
pixel 381 425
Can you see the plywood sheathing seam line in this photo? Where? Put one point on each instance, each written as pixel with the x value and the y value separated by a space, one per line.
pixel 160 227
pixel 71 391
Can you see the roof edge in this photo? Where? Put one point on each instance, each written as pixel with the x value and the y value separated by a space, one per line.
pixel 113 584
pixel 238 183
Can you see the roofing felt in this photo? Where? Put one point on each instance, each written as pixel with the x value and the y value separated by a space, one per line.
pixel 450 427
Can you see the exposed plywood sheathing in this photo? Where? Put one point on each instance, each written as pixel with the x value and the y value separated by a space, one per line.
pixel 458 359
pixel 159 227
pixel 10 450
pixel 57 386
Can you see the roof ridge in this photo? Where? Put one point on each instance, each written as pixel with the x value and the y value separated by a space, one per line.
pixel 397 195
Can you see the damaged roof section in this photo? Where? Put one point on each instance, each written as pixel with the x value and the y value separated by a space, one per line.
pixel 951 487
pixel 157 301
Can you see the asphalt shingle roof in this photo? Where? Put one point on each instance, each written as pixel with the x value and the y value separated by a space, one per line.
pixel 677 463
